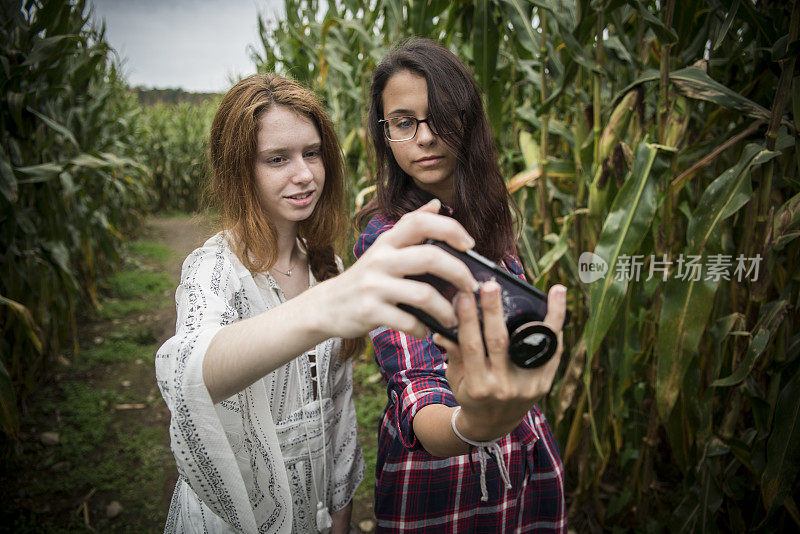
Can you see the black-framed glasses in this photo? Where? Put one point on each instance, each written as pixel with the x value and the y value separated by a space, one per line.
pixel 404 128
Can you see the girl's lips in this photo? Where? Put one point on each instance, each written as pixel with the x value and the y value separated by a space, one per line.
pixel 429 162
pixel 301 202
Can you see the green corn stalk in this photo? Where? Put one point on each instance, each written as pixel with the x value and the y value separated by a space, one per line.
pixel 70 185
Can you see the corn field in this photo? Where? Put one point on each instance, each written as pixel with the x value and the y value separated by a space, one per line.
pixel 81 163
pixel 653 149
pixel 71 184
pixel 175 150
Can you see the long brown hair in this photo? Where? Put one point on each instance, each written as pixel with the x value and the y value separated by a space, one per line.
pixel 233 189
pixel 481 202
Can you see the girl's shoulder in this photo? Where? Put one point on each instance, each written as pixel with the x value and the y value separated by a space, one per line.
pixel 375 227
pixel 216 245
pixel 217 251
pixel 378 224
pixel 514 264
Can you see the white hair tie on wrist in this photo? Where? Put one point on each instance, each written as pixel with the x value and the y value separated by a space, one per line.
pixel 483 448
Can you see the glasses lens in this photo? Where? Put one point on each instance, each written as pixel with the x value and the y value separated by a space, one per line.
pixel 400 128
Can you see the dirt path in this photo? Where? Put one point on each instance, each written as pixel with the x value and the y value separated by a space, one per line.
pixel 93 452
pixel 182 235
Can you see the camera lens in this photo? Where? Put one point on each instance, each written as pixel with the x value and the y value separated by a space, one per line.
pixel 532 345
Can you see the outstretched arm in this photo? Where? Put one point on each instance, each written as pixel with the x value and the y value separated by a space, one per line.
pixel 349 305
pixel 494 394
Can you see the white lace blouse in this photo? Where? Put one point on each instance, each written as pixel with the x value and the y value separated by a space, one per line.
pixel 253 462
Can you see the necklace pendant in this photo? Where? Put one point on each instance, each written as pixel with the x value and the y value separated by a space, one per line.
pixel 289 272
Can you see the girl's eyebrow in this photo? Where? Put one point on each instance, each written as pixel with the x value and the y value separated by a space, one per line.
pixel 277 149
pixel 401 111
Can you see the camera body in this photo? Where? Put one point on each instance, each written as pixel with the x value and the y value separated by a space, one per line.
pixel 531 343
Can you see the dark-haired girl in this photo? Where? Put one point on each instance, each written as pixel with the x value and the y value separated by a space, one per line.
pixel 444 414
pixel 257 378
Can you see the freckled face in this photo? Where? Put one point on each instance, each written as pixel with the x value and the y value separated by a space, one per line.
pixel 426 157
pixel 289 170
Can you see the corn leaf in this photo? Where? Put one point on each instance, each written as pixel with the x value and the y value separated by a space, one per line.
pixel 687 302
pixel 783 454
pixel 626 225
pixel 59 128
pixel 9 416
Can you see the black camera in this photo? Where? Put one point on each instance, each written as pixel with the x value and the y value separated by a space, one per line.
pixel 531 342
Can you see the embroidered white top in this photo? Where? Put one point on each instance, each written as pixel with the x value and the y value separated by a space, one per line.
pixel 253 462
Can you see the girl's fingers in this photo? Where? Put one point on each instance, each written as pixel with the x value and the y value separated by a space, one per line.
pixel 417 226
pixel 453 356
pixel 397 319
pixel 470 338
pixel 556 308
pixel 431 207
pixel 445 343
pixel 495 333
pixel 430 259
pixel 422 296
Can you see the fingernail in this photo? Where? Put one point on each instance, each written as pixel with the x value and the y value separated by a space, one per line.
pixel 436 203
pixel 470 242
pixel 491 287
pixel 562 294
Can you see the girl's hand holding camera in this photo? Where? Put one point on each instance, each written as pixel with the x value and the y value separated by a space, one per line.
pixel 494 393
pixel 366 295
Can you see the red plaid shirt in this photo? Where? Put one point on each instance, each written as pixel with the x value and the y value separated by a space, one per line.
pixel 421 493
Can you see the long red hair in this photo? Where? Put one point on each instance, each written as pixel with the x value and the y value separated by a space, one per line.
pixel 233 189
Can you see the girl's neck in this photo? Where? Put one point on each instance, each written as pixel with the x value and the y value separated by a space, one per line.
pixel 287 242
pixel 444 191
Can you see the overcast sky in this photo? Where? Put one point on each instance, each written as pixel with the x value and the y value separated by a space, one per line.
pixel 196 45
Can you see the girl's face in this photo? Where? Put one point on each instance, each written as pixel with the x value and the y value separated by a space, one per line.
pixel 289 170
pixel 426 157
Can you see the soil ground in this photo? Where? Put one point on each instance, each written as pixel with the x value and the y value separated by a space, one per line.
pixel 94 454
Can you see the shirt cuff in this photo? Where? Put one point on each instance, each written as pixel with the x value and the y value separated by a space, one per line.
pixel 413 402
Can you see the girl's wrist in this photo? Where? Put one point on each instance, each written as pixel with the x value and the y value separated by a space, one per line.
pixel 475 428
pixel 321 311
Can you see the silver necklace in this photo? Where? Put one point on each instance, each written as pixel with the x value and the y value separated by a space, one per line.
pixel 291 268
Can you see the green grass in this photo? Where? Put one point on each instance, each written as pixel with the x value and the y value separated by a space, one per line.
pixel 117 453
pixel 150 250
pixel 118 350
pixel 83 412
pixel 126 344
pixel 370 400
pixel 133 284
pixel 137 289
pixel 115 308
pixel 136 460
pixel 175 214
